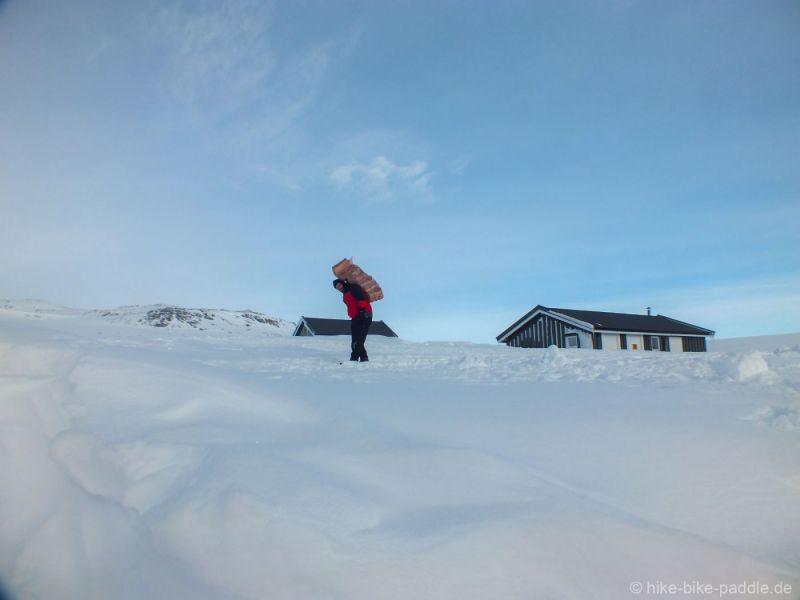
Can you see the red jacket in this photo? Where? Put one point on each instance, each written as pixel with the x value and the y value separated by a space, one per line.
pixel 353 305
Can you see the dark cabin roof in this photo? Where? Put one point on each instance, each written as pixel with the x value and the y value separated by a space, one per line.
pixel 342 327
pixel 624 322
pixel 608 321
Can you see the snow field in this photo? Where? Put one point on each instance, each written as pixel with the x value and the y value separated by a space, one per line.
pixel 138 463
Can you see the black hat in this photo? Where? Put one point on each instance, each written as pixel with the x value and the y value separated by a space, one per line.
pixel 342 281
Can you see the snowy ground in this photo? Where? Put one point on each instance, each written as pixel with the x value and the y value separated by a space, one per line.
pixel 141 462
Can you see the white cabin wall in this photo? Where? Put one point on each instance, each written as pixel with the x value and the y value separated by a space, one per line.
pixel 635 339
pixel 675 344
pixel 610 341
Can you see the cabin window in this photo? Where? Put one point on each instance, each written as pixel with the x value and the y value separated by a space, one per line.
pixel 694 344
pixel 655 343
pixel 571 340
pixel 598 341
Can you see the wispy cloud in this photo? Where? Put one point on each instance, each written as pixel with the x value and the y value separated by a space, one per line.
pixel 215 54
pixel 228 80
pixel 290 95
pixel 383 180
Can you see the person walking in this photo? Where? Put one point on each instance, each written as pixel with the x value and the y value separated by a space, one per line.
pixel 359 309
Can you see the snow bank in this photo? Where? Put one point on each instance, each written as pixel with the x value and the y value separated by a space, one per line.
pixel 149 463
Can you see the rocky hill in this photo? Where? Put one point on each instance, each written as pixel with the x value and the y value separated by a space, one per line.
pixel 162 316
pixel 201 319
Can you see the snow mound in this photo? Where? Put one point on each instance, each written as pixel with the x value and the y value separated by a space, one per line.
pixel 744 367
pixel 777 417
pixel 751 365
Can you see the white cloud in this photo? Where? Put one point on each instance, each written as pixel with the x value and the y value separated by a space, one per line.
pixel 383 180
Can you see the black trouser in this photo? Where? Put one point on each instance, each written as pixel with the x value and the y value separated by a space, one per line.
pixel 359 327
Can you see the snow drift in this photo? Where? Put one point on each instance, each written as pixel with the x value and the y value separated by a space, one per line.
pixel 170 462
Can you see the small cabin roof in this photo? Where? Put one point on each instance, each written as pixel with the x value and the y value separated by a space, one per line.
pixel 320 326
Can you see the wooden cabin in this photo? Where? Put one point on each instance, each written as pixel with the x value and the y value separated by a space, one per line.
pixel 542 327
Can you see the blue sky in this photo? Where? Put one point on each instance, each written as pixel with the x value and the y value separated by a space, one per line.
pixel 478 158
